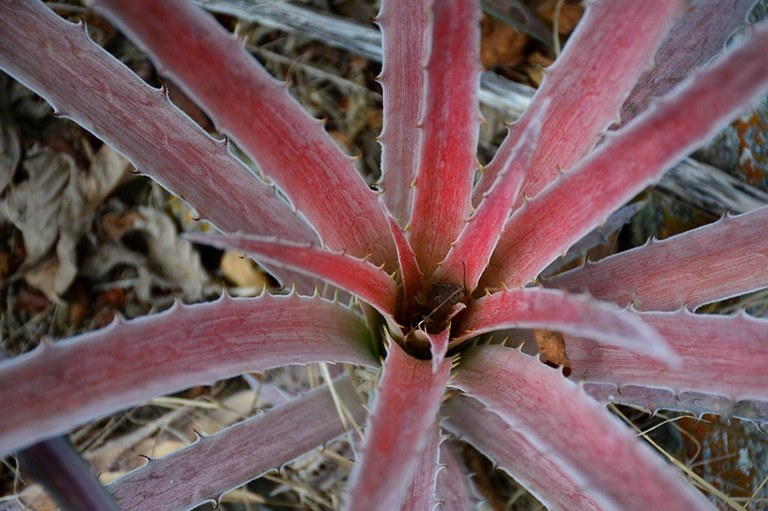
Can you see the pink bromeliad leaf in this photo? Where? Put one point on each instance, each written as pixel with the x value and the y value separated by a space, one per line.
pixel 522 414
pixel 469 254
pixel 59 386
pixel 293 149
pixel 720 355
pixel 237 454
pixel 421 492
pixel 450 127
pixel 697 36
pixel 552 483
pixel 697 403
pixel 85 83
pixel 559 420
pixel 454 489
pixel 718 261
pixel 438 344
pixel 602 61
pixel 66 476
pixel 404 29
pixel 399 428
pixel 600 236
pixel 359 277
pixel 410 274
pixel 572 314
pixel 628 161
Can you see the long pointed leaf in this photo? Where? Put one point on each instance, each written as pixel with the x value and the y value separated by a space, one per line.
pixel 235 455
pixel 59 386
pixel 540 308
pixel 450 124
pixel 469 254
pixel 359 277
pixel 550 482
pixel 410 274
pixel 421 492
pixel 631 159
pixel 559 419
pixel 720 260
pixel 85 83
pixel 404 29
pixel 398 430
pixel 454 490
pixel 721 355
pixel 696 403
pixel 602 61
pixel 697 36
pixel 257 111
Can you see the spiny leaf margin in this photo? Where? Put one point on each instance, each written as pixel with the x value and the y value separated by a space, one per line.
pixel 559 419
pixel 59 386
pixel 237 454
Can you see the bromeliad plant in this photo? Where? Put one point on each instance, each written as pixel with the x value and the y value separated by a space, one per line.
pixel 435 257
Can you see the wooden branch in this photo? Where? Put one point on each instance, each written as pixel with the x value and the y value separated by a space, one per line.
pixel 710 189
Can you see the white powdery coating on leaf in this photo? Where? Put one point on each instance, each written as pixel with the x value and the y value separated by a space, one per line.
pixel 563 312
pixel 714 262
pixel 398 429
pixel 720 355
pixel 59 386
pixel 559 419
pixel 237 454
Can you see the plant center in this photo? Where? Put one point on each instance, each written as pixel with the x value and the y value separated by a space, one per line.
pixel 433 310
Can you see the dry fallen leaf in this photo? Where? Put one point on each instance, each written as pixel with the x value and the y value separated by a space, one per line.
pixel 537 62
pixel 501 45
pixel 54 207
pixel 241 271
pixel 169 260
pixel 570 14
pixel 175 257
pixel 552 348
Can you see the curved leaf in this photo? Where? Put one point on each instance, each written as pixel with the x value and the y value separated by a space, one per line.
pixel 696 403
pixel 547 480
pixel 629 160
pixel 454 490
pixel 697 36
pixel 59 386
pixel 410 274
pixel 469 254
pixel 450 124
pixel 405 26
pixel 361 278
pixel 718 261
pixel 543 308
pixel 398 430
pixel 558 419
pixel 235 455
pixel 720 355
pixel 602 61
pixel 421 492
pixel 290 147
pixel 85 83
